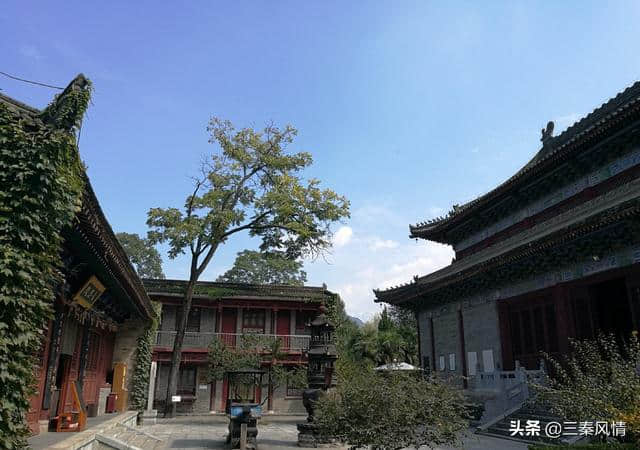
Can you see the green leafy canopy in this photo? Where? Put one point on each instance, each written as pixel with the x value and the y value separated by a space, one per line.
pixel 143 255
pixel 250 185
pixel 264 268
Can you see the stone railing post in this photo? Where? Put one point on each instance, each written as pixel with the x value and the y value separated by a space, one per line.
pixel 149 415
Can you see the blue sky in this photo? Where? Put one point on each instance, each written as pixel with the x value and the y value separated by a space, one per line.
pixel 407 107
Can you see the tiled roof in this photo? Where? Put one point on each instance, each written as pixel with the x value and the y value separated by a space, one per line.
pixel 591 125
pixel 215 290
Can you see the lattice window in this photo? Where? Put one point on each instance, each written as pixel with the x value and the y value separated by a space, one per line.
pixel 193 321
pixel 253 320
pixel 187 380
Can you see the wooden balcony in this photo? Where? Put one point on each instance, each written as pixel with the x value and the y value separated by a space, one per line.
pixel 291 343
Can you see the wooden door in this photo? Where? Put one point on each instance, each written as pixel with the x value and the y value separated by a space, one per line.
pixel 283 328
pixel 229 322
pixel 528 326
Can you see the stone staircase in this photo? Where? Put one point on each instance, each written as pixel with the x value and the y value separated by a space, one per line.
pixel 502 427
pixel 124 437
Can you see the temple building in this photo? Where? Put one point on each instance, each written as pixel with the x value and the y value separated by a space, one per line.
pixel 230 311
pixel 552 253
pixel 100 309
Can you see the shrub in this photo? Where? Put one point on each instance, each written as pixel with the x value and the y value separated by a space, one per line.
pixel 390 411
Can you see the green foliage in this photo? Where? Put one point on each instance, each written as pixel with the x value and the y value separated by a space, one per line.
pixel 391 411
pixel 42 183
pixel 250 185
pixel 144 351
pixel 253 352
pixel 264 268
pixel 143 255
pixel 223 358
pixel 383 340
pixel 597 381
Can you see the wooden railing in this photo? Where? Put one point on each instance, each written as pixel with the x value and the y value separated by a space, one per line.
pixel 291 343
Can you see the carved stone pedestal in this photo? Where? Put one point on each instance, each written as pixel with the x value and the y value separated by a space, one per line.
pixel 308 437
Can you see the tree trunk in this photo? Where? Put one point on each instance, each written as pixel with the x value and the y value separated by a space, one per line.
pixel 172 384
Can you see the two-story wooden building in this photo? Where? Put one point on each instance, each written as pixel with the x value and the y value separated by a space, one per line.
pixel 229 311
pixel 550 254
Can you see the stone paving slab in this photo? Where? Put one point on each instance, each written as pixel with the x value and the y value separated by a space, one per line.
pixel 274 433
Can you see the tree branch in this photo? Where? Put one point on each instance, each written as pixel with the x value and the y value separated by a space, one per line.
pixel 246 226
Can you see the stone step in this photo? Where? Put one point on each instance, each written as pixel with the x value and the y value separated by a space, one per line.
pixel 502 428
pixel 130 438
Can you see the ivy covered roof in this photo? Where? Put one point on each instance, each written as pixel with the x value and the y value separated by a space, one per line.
pixel 610 117
pixel 216 291
pixel 91 229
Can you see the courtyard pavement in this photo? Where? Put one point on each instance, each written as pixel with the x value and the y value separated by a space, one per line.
pixel 274 433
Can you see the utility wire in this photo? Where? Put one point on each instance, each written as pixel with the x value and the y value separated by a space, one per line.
pixel 32 82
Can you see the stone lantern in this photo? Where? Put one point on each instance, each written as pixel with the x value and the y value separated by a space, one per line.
pixel 321 375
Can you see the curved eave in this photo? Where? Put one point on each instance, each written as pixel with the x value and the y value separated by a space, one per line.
pixel 106 247
pixel 434 281
pixel 601 119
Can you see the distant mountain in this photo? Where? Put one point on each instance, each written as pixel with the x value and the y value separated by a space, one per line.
pixel 359 323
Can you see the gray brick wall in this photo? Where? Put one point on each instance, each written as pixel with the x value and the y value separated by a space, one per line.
pixel 447 343
pixel 482 333
pixel 284 404
pixel 425 337
pixel 481 336
pixel 125 346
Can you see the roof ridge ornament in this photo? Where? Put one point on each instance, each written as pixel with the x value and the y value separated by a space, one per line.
pixel 547 134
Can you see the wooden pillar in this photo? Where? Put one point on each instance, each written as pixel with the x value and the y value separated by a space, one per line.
pixel 633 294
pixel 505 335
pixel 52 360
pixel 420 362
pixel 212 400
pixel 225 394
pixel 274 327
pixel 463 349
pixel 433 345
pixel 564 316
pixel 84 352
pixel 239 319
pixel 270 393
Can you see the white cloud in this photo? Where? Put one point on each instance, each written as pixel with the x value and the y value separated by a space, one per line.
pixel 342 236
pixel 369 263
pixel 379 244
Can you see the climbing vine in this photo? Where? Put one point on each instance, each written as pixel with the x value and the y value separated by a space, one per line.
pixel 41 185
pixel 144 350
